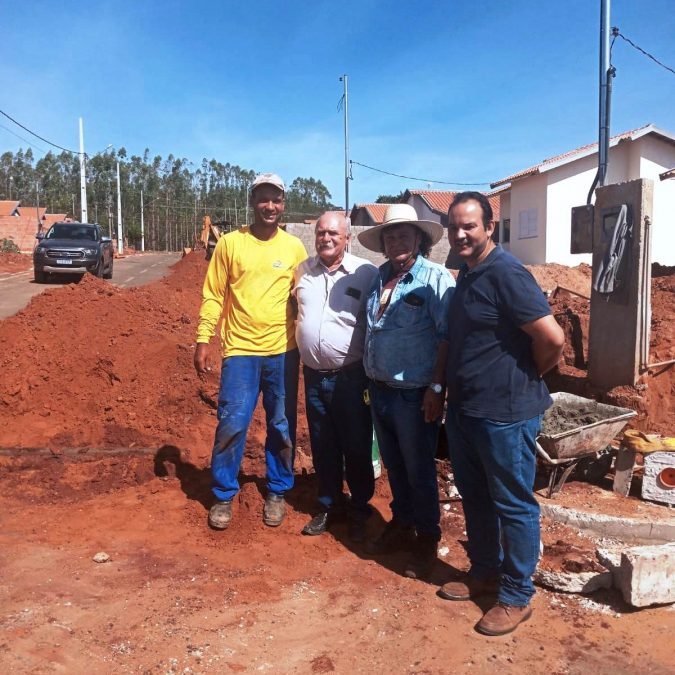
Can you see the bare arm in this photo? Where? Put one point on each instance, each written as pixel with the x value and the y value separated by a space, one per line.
pixel 547 342
pixel 432 404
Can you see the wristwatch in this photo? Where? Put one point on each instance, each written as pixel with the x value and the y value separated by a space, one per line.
pixel 436 388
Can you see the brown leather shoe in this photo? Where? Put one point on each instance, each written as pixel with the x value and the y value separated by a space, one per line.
pixel 468 587
pixel 275 510
pixel 503 619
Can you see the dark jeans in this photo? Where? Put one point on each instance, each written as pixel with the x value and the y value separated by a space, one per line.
pixel 408 448
pixel 494 466
pixel 341 435
pixel 242 378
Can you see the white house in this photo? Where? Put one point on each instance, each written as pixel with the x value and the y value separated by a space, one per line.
pixel 536 208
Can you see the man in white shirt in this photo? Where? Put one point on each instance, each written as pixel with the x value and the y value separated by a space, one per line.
pixel 331 290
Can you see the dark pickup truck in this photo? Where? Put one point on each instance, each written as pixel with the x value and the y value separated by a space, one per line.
pixel 73 248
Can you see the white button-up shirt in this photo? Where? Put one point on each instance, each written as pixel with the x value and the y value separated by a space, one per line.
pixel 331 324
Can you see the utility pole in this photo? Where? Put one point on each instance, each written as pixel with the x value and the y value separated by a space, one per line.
pixel 83 177
pixel 603 126
pixel 120 241
pixel 37 207
pixel 109 203
pixel 345 106
pixel 142 225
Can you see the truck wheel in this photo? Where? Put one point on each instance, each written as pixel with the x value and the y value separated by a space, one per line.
pixel 109 273
pixel 98 270
pixel 40 276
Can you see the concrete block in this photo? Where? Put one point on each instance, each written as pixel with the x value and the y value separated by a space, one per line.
pixel 573 582
pixel 647 575
pixel 653 487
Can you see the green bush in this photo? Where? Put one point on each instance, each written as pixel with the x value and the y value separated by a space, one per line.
pixel 8 246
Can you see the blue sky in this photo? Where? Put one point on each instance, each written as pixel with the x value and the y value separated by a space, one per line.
pixel 454 91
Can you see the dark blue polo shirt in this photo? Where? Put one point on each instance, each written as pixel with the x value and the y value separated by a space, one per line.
pixel 491 372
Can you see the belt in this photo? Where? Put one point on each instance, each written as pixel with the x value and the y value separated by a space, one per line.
pixel 345 369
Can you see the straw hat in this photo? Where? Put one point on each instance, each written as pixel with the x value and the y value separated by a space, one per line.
pixel 397 214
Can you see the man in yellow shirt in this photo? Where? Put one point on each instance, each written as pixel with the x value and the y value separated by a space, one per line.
pixel 248 284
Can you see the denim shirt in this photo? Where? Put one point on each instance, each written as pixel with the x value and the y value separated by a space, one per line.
pixel 401 345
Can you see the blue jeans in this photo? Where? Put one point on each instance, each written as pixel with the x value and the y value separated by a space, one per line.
pixel 242 378
pixel 408 448
pixel 341 435
pixel 494 465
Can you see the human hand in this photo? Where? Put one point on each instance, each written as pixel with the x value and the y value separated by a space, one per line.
pixel 432 404
pixel 201 360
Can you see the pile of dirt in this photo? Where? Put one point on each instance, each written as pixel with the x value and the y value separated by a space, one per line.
pixel 552 275
pixel 15 262
pixel 652 397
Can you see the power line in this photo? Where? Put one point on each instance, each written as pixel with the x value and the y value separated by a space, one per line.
pixel 616 33
pixel 25 140
pixel 422 180
pixel 32 133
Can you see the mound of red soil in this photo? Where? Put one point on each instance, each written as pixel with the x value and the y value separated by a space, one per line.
pixel 652 397
pixel 551 275
pixel 15 262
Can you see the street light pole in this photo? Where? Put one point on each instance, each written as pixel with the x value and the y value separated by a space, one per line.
pixel 120 242
pixel 83 177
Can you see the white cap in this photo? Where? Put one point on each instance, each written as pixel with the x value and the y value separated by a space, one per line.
pixel 268 179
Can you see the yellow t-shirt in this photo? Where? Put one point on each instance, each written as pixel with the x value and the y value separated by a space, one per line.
pixel 249 282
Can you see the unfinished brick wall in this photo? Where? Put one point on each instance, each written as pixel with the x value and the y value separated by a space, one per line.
pixel 305 232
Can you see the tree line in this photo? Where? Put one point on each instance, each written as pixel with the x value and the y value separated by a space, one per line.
pixel 176 193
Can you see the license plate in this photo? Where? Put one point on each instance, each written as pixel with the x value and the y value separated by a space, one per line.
pixel 63 261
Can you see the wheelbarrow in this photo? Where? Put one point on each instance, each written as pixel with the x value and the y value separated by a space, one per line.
pixel 563 451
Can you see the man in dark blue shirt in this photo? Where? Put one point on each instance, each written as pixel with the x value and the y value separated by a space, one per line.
pixel 502 339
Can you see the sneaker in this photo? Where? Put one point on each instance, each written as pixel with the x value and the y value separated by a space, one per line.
pixel 468 587
pixel 423 557
pixel 318 525
pixel 395 537
pixel 503 619
pixel 220 515
pixel 275 510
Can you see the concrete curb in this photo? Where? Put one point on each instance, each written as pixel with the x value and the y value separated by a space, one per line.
pixel 615 527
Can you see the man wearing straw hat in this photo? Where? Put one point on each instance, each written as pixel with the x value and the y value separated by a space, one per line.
pixel 406 339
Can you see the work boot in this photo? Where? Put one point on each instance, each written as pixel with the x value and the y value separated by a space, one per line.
pixel 275 510
pixel 395 537
pixel 220 515
pixel 422 558
pixel 503 619
pixel 468 587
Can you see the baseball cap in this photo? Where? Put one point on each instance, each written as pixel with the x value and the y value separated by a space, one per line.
pixel 269 179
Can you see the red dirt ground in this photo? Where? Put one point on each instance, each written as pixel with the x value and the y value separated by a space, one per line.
pixel 15 262
pixel 113 430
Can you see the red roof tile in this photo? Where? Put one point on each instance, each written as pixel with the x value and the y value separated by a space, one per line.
pixel 8 206
pixel 584 150
pixel 436 200
pixel 375 211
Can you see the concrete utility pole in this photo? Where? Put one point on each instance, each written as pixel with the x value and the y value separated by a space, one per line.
pixel 142 225
pixel 603 126
pixel 83 177
pixel 120 242
pixel 345 106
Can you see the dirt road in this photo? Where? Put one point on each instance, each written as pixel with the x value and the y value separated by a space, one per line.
pixel 176 597
pixel 17 288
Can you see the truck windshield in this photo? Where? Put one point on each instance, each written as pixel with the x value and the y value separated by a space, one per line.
pixel 72 232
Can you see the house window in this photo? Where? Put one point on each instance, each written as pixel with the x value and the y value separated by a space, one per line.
pixel 527 224
pixel 506 234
